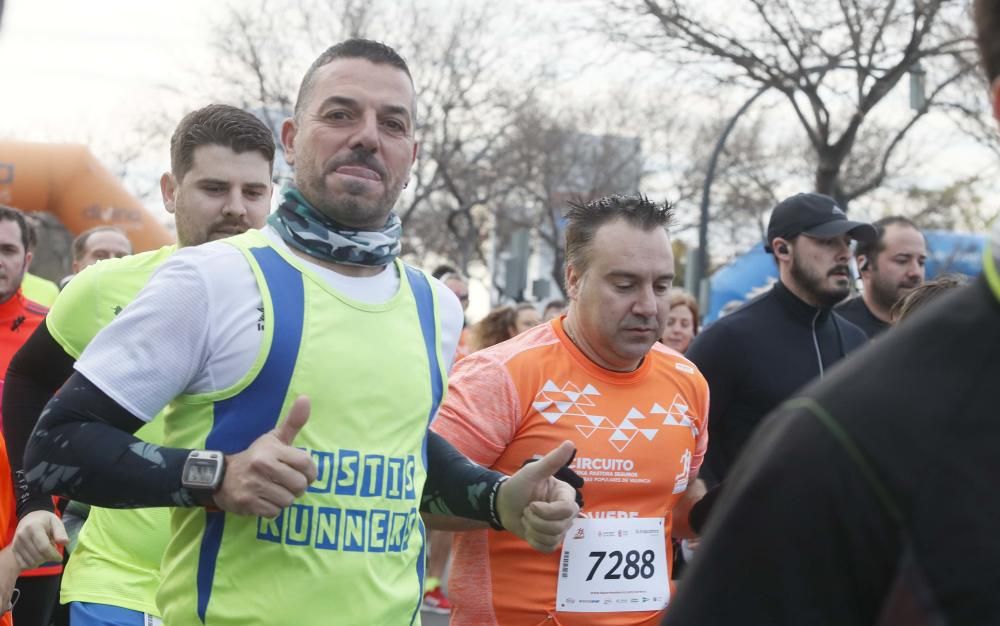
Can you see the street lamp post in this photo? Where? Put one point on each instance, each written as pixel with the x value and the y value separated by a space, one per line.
pixel 701 258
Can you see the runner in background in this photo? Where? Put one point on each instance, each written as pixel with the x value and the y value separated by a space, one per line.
pixel 97 244
pixel 636 410
pixel 19 317
pixel 219 183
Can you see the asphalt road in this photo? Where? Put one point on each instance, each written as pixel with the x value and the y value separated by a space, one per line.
pixel 431 619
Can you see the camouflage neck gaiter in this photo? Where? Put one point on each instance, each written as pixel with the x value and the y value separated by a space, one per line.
pixel 306 229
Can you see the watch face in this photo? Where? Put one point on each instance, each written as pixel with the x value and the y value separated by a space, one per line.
pixel 200 471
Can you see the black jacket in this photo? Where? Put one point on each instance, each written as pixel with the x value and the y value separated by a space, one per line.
pixel 757 357
pixel 883 477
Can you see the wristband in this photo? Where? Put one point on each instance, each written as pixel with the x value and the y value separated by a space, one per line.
pixel 494 515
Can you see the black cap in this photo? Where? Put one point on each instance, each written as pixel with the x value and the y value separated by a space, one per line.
pixel 815 215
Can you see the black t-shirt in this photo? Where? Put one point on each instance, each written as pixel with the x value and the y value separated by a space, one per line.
pixel 882 476
pixel 857 312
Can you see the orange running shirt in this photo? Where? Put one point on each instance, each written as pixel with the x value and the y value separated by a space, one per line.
pixel 640 437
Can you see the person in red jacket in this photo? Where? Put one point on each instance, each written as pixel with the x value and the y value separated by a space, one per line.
pixel 19 317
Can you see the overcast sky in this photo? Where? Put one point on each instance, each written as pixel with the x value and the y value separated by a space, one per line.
pixel 74 70
pixel 91 71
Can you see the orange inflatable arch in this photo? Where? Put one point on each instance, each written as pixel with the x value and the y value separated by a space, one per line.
pixel 68 182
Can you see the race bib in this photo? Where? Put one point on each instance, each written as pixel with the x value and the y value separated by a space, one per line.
pixel 151 620
pixel 614 565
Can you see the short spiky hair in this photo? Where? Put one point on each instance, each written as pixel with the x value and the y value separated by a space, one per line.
pixel 583 221
pixel 987 14
pixel 218 124
pixel 374 51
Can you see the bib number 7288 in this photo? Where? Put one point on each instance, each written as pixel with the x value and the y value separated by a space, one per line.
pixel 636 564
pixel 614 565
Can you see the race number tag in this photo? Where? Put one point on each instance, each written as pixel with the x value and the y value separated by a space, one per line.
pixel 614 565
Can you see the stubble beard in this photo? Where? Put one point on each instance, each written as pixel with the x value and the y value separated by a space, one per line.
pixel 886 296
pixel 349 208
pixel 813 284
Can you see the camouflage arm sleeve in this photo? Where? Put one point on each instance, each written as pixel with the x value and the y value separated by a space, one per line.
pixel 83 448
pixel 458 487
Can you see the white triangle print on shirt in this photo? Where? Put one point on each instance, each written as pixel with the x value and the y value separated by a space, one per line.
pixel 552 417
pixel 566 401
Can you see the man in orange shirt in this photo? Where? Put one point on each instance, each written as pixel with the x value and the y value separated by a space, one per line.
pixel 636 410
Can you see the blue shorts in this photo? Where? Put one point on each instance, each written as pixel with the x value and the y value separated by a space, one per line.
pixel 91 614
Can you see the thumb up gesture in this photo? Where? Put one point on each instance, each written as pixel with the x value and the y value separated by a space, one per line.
pixel 535 505
pixel 268 476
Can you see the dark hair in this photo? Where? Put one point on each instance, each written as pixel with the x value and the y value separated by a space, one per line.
pixel 987 18
pixel 222 125
pixel 496 326
pixel 10 214
pixel 871 249
pixel 443 269
pixel 923 294
pixel 374 51
pixel 584 220
pixel 80 243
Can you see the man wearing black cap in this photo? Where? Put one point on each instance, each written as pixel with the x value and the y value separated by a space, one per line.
pixel 871 498
pixel 760 354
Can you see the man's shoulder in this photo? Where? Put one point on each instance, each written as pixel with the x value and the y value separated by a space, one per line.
pixel 523 350
pixel 854 334
pixel 675 365
pixel 151 259
pixel 124 277
pixel 744 320
pixel 853 310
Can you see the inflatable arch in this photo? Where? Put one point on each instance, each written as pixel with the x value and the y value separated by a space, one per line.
pixel 66 181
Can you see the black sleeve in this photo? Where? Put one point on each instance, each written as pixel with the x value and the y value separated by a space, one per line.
pixel 798 536
pixel 83 449
pixel 713 353
pixel 38 369
pixel 456 486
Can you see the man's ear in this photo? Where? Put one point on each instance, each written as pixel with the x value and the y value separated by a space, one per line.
pixel 27 260
pixel 289 129
pixel 573 279
pixel 168 189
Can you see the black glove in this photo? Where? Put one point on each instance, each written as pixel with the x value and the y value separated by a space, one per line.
pixel 568 476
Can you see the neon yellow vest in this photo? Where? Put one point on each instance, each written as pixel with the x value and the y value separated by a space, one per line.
pixel 350 551
pixel 117 557
pixel 38 289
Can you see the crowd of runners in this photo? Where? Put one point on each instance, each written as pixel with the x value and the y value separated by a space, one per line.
pixel 277 421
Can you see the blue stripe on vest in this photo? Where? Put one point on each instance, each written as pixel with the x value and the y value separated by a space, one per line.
pixel 240 420
pixel 428 326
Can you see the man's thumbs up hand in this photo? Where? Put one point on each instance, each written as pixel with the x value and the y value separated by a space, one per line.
pixel 271 473
pixel 536 506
